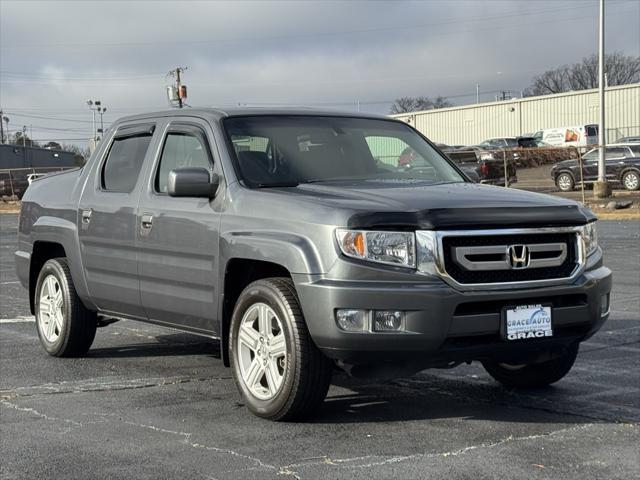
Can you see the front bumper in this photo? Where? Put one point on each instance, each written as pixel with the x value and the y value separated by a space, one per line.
pixel 444 325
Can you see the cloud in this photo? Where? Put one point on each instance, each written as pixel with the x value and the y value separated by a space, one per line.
pixel 55 55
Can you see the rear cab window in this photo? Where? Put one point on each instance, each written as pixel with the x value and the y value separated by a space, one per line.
pixel 123 163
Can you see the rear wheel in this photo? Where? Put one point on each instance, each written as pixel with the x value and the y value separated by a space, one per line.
pixel 631 180
pixel 535 374
pixel 66 328
pixel 565 182
pixel 277 368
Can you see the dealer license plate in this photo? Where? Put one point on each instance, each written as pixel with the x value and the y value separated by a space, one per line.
pixel 527 322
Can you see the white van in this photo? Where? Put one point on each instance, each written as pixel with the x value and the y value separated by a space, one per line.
pixel 576 136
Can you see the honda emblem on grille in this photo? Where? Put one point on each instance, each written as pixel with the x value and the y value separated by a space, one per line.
pixel 518 256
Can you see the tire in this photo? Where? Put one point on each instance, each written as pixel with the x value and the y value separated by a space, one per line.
pixel 534 375
pixel 66 328
pixel 287 386
pixel 565 182
pixel 631 180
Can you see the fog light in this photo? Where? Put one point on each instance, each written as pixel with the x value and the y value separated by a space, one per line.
pixel 351 320
pixel 388 321
pixel 604 305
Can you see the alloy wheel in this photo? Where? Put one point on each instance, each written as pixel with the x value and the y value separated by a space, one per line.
pixel 262 351
pixel 50 313
pixel 564 182
pixel 631 181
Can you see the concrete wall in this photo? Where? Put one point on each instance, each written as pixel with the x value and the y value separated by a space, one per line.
pixel 471 124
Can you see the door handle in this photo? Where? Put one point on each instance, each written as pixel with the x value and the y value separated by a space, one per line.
pixel 86 215
pixel 147 221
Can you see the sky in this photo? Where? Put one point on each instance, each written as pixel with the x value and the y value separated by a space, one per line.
pixel 54 55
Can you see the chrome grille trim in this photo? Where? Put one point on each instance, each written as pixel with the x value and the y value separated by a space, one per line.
pixel 462 255
pixel 431 240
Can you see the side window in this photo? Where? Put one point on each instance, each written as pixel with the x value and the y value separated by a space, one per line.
pixel 181 149
pixel 124 161
pixel 612 153
pixel 589 156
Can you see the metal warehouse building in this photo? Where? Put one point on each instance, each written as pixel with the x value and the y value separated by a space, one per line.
pixel 471 124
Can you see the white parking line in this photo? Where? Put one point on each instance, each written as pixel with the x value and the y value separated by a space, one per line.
pixel 9 283
pixel 18 320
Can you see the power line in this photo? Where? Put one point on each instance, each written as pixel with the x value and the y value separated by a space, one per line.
pixel 26 115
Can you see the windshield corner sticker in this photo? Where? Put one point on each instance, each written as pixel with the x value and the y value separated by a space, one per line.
pixel 529 321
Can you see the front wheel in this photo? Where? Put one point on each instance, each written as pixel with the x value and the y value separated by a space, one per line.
pixel 631 180
pixel 280 373
pixel 534 375
pixel 65 326
pixel 565 182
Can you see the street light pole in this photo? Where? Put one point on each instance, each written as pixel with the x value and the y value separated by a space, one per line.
pixel 101 111
pixel 601 189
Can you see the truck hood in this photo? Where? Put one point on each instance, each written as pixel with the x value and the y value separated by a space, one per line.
pixel 443 206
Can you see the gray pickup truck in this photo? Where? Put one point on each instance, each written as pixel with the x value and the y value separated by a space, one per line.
pixel 295 239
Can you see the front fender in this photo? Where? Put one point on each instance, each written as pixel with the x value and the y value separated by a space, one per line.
pixel 294 252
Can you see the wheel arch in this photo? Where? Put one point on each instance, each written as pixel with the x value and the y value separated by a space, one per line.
pixel 57 237
pixel 626 170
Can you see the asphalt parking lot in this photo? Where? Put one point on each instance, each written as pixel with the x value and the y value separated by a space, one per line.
pixel 148 402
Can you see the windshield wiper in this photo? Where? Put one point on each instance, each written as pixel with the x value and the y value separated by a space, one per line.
pixel 277 184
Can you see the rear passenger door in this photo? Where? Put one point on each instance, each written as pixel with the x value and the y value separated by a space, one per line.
pixel 178 236
pixel 107 221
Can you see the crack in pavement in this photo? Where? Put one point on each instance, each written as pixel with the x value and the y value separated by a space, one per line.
pixel 94 385
pixel 293 469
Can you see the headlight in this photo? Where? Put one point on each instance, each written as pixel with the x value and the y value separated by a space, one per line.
pixel 392 248
pixel 590 237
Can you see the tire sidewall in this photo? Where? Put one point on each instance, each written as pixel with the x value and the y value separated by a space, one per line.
pixel 262 293
pixel 52 267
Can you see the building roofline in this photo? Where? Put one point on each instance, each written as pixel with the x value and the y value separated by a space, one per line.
pixel 515 100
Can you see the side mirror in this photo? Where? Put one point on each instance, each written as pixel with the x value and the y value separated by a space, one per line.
pixel 192 182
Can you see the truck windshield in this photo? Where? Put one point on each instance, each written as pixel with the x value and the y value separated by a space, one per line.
pixel 283 150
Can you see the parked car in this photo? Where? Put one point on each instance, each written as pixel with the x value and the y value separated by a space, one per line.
pixel 622 164
pixel 635 139
pixel 278 233
pixel 488 166
pixel 497 143
pixel 573 136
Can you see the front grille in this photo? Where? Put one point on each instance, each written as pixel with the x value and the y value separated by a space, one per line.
pixel 464 276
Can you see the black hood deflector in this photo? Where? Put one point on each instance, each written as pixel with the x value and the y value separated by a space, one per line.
pixel 476 218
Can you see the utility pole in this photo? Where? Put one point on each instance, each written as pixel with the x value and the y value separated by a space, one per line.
pixel 24 138
pixel 477 93
pixel 180 91
pixel 1 128
pixel 601 189
pixel 6 119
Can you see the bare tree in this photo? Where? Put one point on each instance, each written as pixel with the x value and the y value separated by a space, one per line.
pixel 414 104
pixel 621 69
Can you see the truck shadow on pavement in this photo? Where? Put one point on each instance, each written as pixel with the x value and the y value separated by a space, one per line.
pixel 431 397
pixel 175 345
